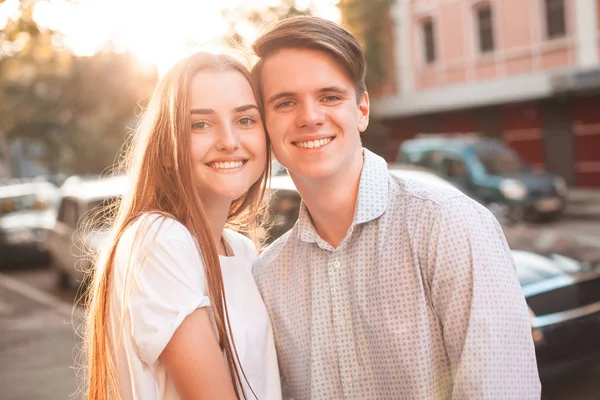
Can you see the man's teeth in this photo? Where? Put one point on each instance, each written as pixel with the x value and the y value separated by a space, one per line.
pixel 314 144
pixel 227 164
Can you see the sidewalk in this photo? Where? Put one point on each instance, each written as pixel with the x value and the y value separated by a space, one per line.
pixel 39 349
pixel 583 203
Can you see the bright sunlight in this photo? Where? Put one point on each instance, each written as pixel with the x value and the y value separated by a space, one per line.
pixel 157 32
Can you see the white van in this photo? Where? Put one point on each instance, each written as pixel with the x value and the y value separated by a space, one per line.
pixel 83 206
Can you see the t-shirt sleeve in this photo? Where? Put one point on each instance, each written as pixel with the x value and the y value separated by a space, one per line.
pixel 168 285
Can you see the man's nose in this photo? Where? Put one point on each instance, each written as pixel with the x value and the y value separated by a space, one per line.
pixel 311 115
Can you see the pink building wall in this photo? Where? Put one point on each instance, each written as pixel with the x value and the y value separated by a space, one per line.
pixel 519 37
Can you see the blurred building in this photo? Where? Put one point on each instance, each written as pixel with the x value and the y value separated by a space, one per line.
pixel 527 71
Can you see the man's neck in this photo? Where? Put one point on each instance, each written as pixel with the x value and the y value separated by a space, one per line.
pixel 332 203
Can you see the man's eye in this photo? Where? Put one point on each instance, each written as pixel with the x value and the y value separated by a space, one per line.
pixel 284 104
pixel 247 121
pixel 331 98
pixel 199 125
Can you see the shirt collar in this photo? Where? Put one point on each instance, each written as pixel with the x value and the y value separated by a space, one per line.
pixel 372 197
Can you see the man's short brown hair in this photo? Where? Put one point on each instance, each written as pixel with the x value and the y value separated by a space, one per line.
pixel 307 32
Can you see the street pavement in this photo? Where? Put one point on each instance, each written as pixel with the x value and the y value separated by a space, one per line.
pixel 38 344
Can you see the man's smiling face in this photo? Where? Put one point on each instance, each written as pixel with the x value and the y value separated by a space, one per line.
pixel 311 113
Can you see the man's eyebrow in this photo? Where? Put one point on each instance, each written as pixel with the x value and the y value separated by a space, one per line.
pixel 335 89
pixel 278 96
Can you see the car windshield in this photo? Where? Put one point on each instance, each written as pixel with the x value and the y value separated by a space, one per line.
pixel 498 160
pixel 24 202
pixel 533 267
pixel 27 197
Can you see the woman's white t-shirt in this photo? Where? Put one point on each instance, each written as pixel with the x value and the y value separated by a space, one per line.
pixel 158 281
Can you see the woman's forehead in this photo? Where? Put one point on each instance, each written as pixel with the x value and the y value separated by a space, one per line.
pixel 216 89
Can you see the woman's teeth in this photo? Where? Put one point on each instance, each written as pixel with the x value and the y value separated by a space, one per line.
pixel 227 164
pixel 314 144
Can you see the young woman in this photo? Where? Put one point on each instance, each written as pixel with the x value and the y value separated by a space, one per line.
pixel 174 312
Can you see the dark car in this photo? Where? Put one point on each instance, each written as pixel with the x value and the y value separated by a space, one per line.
pixel 490 172
pixel 27 211
pixel 563 293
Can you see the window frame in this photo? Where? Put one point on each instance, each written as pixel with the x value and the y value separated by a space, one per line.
pixel 548 35
pixel 477 9
pixel 430 54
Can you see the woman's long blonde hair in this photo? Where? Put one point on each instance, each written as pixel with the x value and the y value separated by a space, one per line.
pixel 157 160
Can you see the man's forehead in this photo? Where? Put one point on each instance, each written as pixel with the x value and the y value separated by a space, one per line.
pixel 281 71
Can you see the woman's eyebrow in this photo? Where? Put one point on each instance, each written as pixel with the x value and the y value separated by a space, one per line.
pixel 205 111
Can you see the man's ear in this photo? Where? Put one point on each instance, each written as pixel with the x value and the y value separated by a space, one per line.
pixel 363 110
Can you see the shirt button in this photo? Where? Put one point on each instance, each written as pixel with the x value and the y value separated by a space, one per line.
pixel 342 322
pixel 336 264
pixel 348 381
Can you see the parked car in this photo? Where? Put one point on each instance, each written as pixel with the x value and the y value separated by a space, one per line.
pixel 26 212
pixel 563 294
pixel 490 172
pixel 82 225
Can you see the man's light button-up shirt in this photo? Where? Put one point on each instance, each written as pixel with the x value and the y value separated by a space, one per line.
pixel 427 304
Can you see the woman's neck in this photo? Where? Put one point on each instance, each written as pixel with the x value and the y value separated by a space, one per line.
pixel 216 212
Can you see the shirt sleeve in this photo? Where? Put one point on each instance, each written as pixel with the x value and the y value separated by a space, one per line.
pixel 478 300
pixel 168 285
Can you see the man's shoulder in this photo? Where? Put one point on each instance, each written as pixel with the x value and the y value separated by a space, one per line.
pixel 427 202
pixel 272 253
pixel 418 191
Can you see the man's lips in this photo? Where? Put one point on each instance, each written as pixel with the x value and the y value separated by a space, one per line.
pixel 315 143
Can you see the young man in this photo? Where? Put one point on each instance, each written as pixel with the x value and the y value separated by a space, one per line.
pixel 384 289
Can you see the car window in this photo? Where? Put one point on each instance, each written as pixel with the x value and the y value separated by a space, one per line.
pixel 27 197
pixel 67 212
pixel 18 203
pixel 498 160
pixel 454 167
pixel 431 159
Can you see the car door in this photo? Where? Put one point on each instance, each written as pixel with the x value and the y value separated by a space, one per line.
pixel 61 237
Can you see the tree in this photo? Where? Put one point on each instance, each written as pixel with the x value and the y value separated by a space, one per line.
pixel 365 19
pixel 259 18
pixel 79 109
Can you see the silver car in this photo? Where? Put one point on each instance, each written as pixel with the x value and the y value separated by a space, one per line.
pixel 81 225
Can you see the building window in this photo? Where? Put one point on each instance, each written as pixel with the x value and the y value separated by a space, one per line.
pixel 485 28
pixel 428 41
pixel 555 18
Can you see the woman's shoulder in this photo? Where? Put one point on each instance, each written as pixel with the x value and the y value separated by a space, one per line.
pixel 156 227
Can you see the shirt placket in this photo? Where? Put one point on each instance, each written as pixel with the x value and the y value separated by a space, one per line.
pixel 342 320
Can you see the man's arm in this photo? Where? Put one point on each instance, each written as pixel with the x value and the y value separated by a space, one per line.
pixel 478 299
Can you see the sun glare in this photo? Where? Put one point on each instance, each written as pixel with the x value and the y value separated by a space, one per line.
pixel 156 32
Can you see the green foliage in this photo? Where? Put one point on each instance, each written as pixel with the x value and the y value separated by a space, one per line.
pixel 365 19
pixel 79 109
